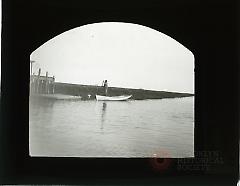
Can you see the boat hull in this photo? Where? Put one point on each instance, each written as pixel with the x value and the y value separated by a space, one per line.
pixel 113 98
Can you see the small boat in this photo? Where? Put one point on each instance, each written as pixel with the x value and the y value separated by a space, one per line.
pixel 113 98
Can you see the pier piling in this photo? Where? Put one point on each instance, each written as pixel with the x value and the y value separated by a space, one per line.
pixel 42 84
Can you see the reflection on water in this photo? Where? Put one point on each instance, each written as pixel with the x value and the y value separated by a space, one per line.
pixel 104 107
pixel 112 129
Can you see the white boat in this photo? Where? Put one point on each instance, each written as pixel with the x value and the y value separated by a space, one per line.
pixel 113 98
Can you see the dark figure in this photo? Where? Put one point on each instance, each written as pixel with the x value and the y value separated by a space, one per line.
pixel 105 85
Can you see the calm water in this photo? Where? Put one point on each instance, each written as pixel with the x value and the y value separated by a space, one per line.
pixel 112 129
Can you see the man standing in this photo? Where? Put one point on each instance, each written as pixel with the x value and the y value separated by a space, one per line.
pixel 105 85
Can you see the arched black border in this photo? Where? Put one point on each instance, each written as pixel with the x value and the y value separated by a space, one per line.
pixel 207 28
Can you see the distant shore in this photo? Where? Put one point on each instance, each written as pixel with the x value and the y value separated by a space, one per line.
pixel 87 92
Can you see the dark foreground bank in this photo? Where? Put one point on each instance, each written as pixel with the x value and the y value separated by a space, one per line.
pixel 137 94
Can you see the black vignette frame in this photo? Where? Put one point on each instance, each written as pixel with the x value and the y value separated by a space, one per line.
pixel 208 28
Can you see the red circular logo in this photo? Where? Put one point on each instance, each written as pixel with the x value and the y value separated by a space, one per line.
pixel 161 161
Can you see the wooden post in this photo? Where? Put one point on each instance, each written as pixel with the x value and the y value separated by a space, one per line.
pixel 31 84
pixel 46 85
pixel 53 84
pixel 38 84
pixel 31 62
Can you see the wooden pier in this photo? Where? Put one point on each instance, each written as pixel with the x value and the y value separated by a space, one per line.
pixel 42 84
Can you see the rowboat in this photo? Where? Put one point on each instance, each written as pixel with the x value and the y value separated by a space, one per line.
pixel 113 98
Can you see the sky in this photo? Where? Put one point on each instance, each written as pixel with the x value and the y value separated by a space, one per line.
pixel 127 55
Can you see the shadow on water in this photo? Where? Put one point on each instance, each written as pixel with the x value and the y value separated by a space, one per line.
pixel 38 103
pixel 40 107
pixel 104 107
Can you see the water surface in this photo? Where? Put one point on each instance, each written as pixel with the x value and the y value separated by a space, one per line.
pixel 141 128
